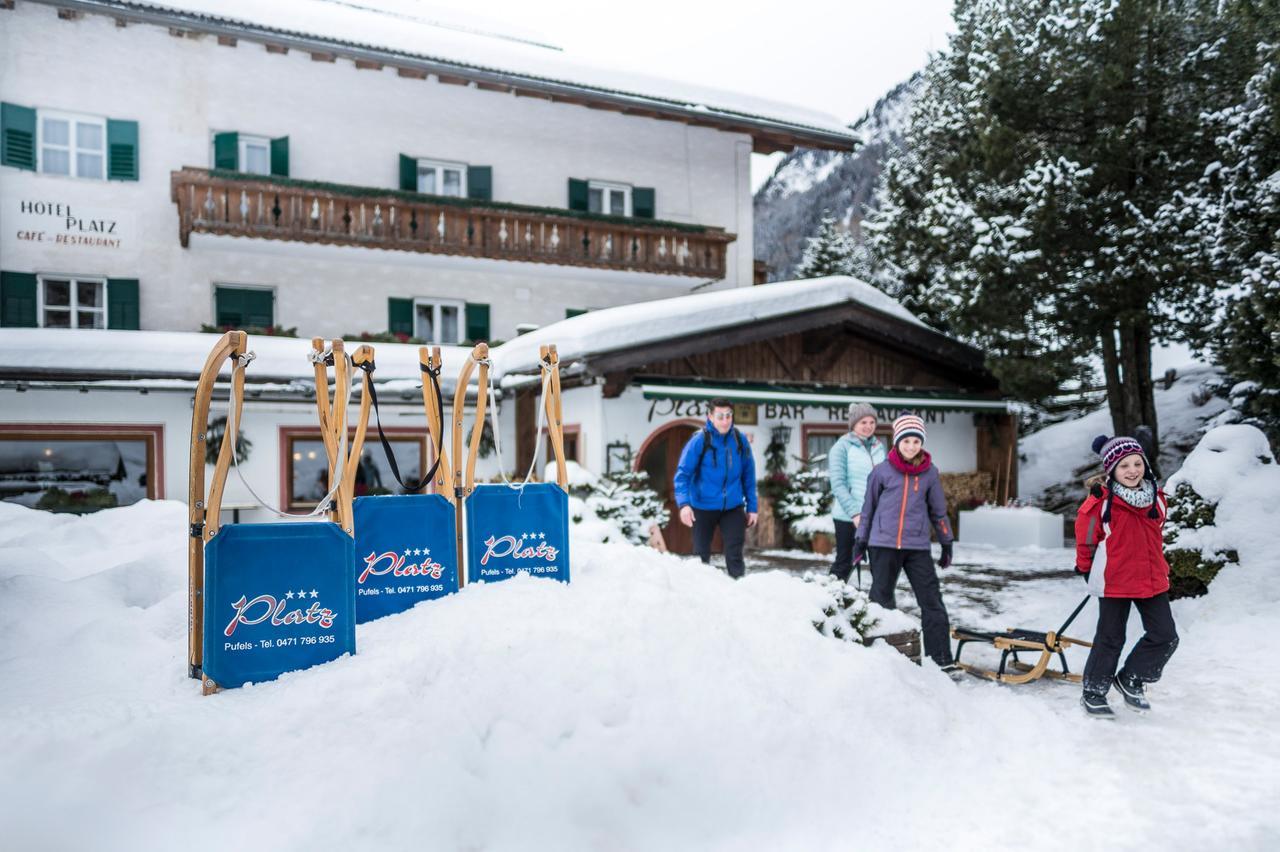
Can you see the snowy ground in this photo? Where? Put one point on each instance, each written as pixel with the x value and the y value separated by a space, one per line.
pixel 652 704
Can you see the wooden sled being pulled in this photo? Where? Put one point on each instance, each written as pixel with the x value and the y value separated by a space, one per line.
pixel 1017 641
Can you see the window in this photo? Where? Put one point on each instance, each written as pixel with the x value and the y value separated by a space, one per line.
pixel 79 469
pixel 611 199
pixel 67 302
pixel 438 321
pixel 255 154
pixel 249 154
pixel 819 438
pixel 243 307
pixel 440 178
pixel 307 466
pixel 72 145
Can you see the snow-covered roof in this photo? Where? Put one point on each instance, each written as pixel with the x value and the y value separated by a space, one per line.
pixel 648 322
pixel 50 352
pixel 404 30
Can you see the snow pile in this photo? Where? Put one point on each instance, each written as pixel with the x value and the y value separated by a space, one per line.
pixel 1010 526
pixel 651 704
pixel 1054 461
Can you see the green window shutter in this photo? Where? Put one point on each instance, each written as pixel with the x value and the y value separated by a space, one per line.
pixel 480 183
pixel 280 156
pixel 400 316
pixel 408 173
pixel 570 313
pixel 122 150
pixel 226 151
pixel 18 299
pixel 578 195
pixel 477 322
pixel 241 307
pixel 18 136
pixel 122 303
pixel 643 202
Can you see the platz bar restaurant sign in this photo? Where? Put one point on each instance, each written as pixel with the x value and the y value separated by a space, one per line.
pixel 58 225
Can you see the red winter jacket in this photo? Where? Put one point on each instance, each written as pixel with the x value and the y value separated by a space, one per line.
pixel 1123 558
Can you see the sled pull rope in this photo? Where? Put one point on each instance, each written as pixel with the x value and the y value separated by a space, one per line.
pixel 242 361
pixel 368 367
pixel 1072 617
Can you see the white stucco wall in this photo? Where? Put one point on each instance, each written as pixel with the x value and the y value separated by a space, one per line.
pixel 347 126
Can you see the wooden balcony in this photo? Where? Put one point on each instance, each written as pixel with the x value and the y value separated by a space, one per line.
pixel 271 208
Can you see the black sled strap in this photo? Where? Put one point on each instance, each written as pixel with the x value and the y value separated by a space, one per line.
pixel 409 487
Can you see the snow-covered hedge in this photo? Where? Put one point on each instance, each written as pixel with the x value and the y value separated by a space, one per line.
pixel 1209 505
pixel 617 507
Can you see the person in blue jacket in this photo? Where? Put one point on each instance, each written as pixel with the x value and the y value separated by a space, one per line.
pixel 848 465
pixel 715 486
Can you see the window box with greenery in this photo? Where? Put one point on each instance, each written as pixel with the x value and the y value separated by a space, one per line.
pixel 445 322
pixel 71 144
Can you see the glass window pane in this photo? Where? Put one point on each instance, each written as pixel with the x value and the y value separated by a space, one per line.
pixel 374 476
pixel 89 319
pixel 424 322
pixel 56 132
pixel 617 203
pixel 88 136
pixel 55 161
pixel 817 447
pixel 595 200
pixel 89 294
pixel 427 180
pixel 257 160
pixel 89 165
pixel 73 476
pixel 448 324
pixel 57 319
pixel 310 470
pixel 57 292
pixel 453 182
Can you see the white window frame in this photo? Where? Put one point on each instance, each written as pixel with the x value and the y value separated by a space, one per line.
pixel 244 140
pixel 73 166
pixel 74 308
pixel 607 186
pixel 436 325
pixel 439 166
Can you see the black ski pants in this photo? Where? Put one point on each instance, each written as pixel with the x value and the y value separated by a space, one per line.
pixel 733 532
pixel 842 567
pixel 1147 659
pixel 886 564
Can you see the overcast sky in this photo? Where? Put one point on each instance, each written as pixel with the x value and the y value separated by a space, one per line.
pixel 838 57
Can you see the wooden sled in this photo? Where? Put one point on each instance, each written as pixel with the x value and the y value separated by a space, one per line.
pixel 1017 641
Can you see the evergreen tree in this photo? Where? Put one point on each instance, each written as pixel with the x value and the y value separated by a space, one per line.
pixel 1044 207
pixel 831 251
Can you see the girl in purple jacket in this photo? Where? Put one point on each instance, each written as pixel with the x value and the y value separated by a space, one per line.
pixel 904 498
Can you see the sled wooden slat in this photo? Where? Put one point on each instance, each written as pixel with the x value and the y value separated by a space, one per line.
pixel 435 424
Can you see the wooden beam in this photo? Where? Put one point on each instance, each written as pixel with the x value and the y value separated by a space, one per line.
pixel 6 4
pixel 493 87
pixel 70 14
pixel 121 23
pixel 368 65
pixel 532 93
pixel 412 73
pixel 772 345
pixel 693 368
pixel 277 48
pixel 450 80
pixel 323 57
pixel 228 41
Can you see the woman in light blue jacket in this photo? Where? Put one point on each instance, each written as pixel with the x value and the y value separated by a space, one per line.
pixel 848 465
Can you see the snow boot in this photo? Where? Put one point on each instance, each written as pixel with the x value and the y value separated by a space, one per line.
pixel 1095 704
pixel 1134 696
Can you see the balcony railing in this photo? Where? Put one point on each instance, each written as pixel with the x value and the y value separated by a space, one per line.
pixel 233 204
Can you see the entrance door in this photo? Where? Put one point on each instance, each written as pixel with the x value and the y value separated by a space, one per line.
pixel 659 460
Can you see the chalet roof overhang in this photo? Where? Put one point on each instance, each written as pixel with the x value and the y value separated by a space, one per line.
pixel 963 362
pixel 810 395
pixel 769 135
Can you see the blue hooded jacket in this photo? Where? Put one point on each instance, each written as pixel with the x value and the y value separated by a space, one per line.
pixel 722 478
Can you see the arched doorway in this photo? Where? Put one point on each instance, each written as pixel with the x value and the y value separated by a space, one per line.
pixel 658 457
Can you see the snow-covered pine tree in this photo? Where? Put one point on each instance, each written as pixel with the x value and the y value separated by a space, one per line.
pixel 806 501
pixel 1040 209
pixel 625 498
pixel 831 251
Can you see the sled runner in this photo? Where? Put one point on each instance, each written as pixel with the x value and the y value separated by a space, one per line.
pixel 405 544
pixel 267 598
pixel 512 528
pixel 1017 641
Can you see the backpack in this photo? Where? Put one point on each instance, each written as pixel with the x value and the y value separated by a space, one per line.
pixel 706 446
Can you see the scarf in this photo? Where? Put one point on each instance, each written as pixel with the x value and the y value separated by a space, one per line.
pixel 922 463
pixel 1139 498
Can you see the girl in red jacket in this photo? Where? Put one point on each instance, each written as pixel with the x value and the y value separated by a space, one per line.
pixel 1120 552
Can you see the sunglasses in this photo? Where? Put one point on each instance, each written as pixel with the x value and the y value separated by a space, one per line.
pixel 727 415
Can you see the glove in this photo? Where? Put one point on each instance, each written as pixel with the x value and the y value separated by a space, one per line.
pixel 859 551
pixel 945 561
pixel 1084 574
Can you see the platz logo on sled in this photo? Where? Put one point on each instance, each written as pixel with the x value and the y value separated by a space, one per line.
pixel 394 564
pixel 290 609
pixel 527 546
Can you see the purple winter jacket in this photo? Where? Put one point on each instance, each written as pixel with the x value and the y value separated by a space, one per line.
pixel 899 507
